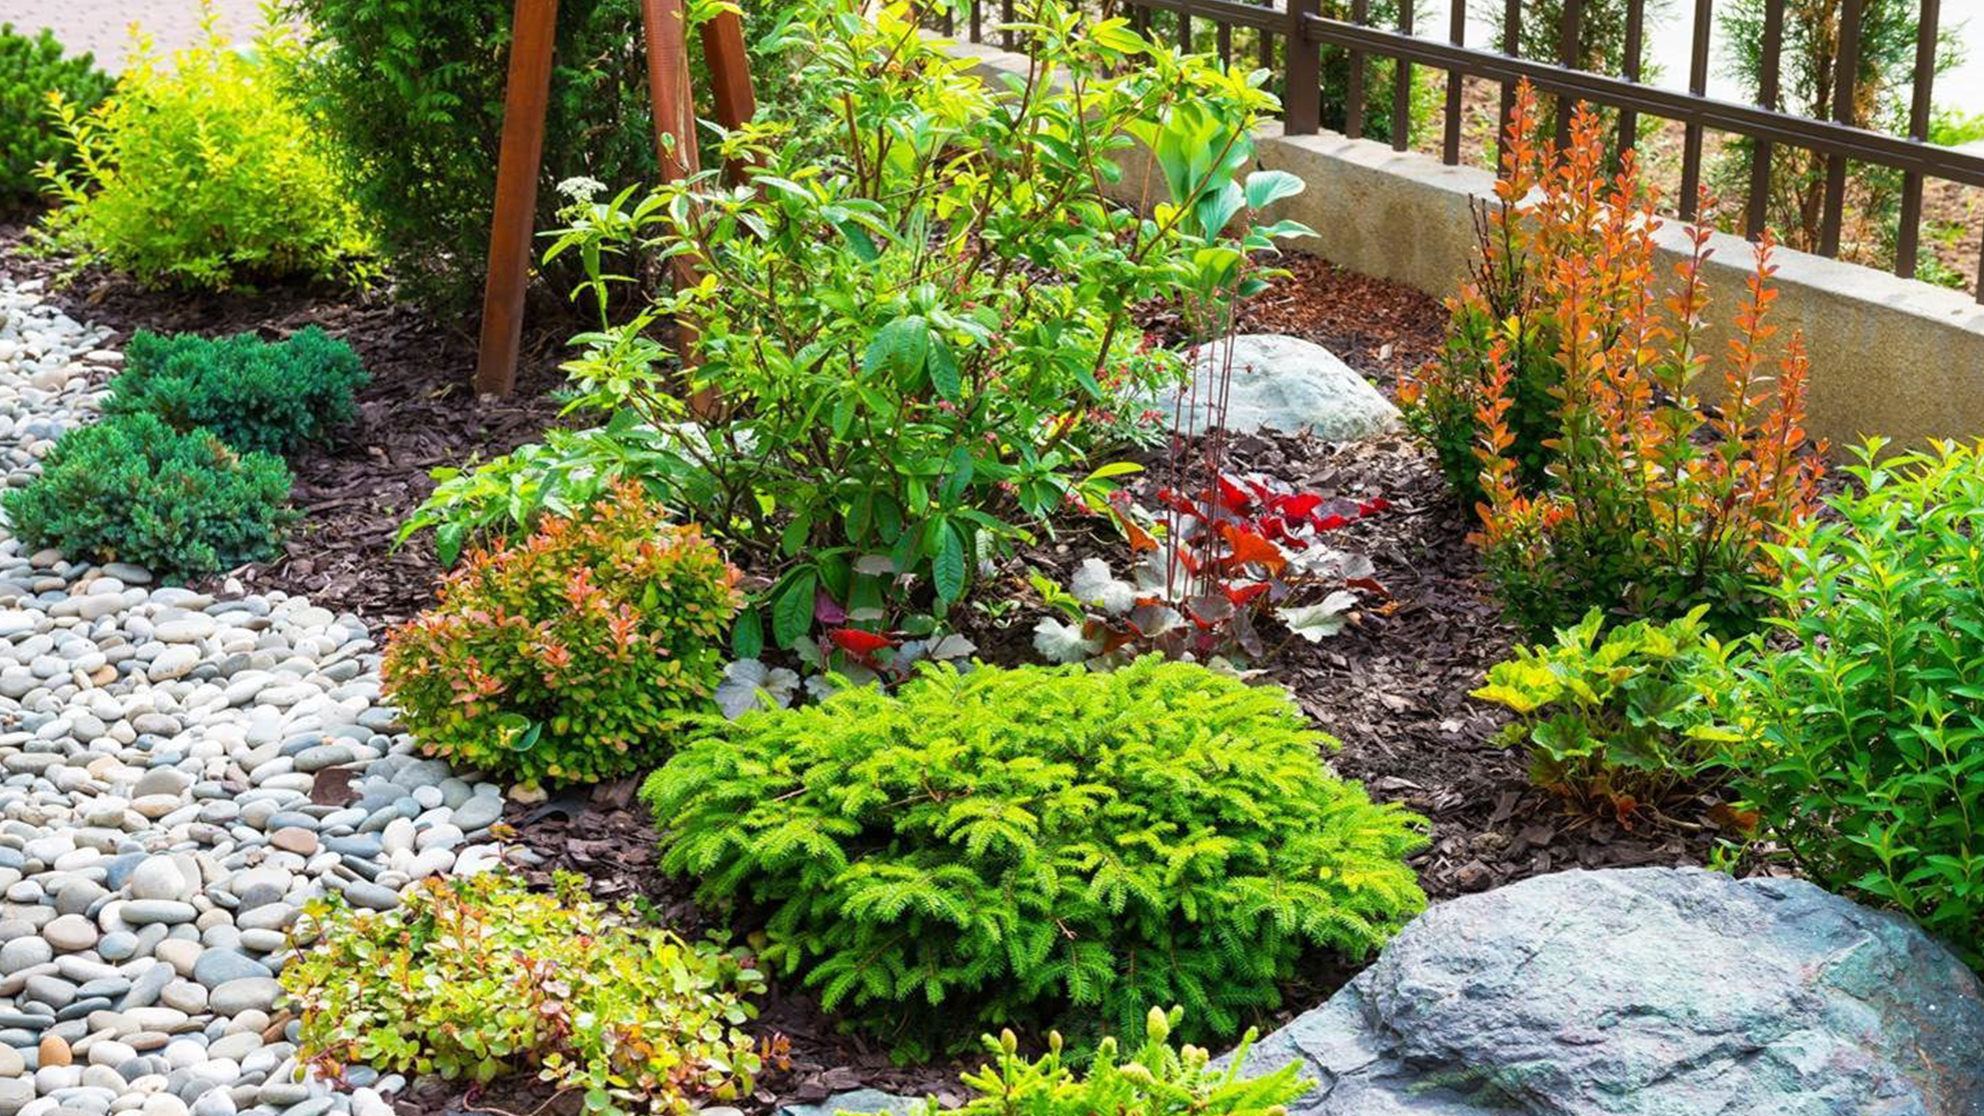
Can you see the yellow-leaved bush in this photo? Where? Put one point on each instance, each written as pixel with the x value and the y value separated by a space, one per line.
pixel 478 977
pixel 200 172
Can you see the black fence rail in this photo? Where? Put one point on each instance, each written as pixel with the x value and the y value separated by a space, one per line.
pixel 1302 34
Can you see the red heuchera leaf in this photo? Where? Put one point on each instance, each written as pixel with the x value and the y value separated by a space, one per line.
pixel 854 641
pixel 1297 507
pixel 1233 497
pixel 1242 595
pixel 1250 547
pixel 1374 504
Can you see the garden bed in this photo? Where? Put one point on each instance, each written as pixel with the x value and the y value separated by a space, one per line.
pixel 1393 688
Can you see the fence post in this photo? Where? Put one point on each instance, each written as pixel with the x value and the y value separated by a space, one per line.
pixel 1302 107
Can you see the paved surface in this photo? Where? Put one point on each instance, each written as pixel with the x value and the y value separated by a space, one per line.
pixel 103 27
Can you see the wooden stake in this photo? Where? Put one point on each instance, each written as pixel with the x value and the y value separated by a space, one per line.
pixel 668 82
pixel 535 30
pixel 730 72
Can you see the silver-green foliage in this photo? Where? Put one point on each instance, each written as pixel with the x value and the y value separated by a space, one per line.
pixel 1038 845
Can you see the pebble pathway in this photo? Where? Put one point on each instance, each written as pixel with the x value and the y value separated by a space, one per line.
pixel 158 832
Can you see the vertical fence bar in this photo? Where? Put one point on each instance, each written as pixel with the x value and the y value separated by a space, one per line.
pixel 1758 210
pixel 1918 130
pixel 1223 36
pixel 1185 31
pixel 977 21
pixel 1629 121
pixel 1353 94
pixel 1842 111
pixel 1006 39
pixel 1267 45
pixel 1402 86
pixel 1511 46
pixel 1456 34
pixel 1302 106
pixel 1569 52
pixel 1691 143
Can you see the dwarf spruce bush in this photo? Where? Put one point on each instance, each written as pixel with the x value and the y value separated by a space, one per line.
pixel 568 655
pixel 31 68
pixel 477 977
pixel 132 489
pixel 256 396
pixel 1153 1078
pixel 1038 844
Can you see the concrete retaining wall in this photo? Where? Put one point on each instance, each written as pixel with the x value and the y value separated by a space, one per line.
pixel 1890 356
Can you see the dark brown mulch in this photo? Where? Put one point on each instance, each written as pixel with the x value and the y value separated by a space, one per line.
pixel 419 412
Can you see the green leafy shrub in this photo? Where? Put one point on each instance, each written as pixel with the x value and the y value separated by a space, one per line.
pixel 1037 844
pixel 1153 1080
pixel 132 489
pixel 1624 718
pixel 32 68
pixel 199 172
pixel 1868 763
pixel 411 91
pixel 902 347
pixel 471 978
pixel 566 655
pixel 256 396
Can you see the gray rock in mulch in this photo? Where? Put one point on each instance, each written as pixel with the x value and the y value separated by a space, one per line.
pixel 859 1101
pixel 1647 991
pixel 1283 383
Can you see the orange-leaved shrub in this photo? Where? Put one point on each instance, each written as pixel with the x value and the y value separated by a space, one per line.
pixel 1615 486
pixel 568 655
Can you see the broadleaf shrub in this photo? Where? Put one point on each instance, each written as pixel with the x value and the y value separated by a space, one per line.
pixel 256 396
pixel 1647 506
pixel 1150 1079
pixel 411 93
pixel 1623 718
pixel 568 654
pixel 1868 765
pixel 132 489
pixel 900 345
pixel 32 67
pixel 200 172
pixel 472 978
pixel 1037 845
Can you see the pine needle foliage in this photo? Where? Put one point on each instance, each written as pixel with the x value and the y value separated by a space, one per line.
pixel 1153 1079
pixel 1038 845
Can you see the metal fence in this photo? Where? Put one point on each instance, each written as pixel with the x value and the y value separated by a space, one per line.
pixel 1303 33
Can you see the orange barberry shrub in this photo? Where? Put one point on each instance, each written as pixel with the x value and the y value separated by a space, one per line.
pixel 1652 503
pixel 569 655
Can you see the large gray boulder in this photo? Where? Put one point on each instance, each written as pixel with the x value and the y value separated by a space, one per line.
pixel 1652 991
pixel 1286 384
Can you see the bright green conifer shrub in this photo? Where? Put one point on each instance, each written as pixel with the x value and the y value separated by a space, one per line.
pixel 569 654
pixel 1038 844
pixel 1155 1079
pixel 256 396
pixel 132 489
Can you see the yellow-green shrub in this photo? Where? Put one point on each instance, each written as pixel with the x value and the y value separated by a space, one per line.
pixel 478 977
pixel 199 172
